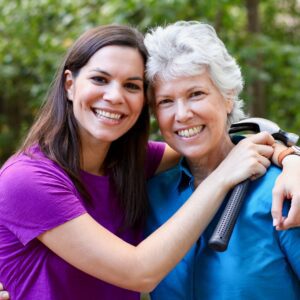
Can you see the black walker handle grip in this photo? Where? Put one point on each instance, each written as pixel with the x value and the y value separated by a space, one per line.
pixel 222 233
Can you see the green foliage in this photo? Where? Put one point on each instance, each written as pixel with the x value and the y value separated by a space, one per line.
pixel 35 34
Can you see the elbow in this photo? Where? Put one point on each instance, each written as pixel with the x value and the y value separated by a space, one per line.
pixel 144 281
pixel 147 273
pixel 146 285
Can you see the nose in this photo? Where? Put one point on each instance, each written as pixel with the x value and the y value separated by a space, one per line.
pixel 113 93
pixel 183 111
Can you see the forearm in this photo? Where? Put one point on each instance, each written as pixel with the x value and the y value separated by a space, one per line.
pixel 172 240
pixel 88 246
pixel 286 187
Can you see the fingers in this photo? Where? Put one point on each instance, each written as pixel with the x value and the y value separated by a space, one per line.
pixel 262 138
pixel 264 161
pixel 260 143
pixel 264 150
pixel 287 189
pixel 277 203
pixel 293 217
pixel 259 171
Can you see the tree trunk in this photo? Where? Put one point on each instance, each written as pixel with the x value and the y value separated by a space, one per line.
pixel 256 88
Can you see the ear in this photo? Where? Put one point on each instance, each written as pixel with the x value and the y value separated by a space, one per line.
pixel 229 105
pixel 69 84
pixel 229 102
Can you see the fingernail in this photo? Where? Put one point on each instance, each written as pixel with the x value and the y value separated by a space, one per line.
pixel 4 295
pixel 275 222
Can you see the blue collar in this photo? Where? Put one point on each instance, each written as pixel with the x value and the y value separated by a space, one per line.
pixel 186 178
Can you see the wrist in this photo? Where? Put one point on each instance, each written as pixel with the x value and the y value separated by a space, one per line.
pixel 278 148
pixel 289 160
pixel 224 182
pixel 290 151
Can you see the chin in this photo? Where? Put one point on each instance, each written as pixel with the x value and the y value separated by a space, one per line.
pixel 195 152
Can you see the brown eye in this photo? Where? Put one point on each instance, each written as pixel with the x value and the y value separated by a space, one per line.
pixel 99 79
pixel 164 101
pixel 132 86
pixel 196 94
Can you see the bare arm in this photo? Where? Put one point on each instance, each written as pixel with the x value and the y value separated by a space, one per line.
pixel 287 187
pixel 91 248
pixel 170 158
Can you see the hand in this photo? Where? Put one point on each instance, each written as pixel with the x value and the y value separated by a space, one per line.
pixel 4 295
pixel 287 187
pixel 248 159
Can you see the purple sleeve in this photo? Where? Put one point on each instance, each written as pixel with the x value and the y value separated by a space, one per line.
pixel 36 196
pixel 155 153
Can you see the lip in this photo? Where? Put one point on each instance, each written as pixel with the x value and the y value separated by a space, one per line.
pixel 190 132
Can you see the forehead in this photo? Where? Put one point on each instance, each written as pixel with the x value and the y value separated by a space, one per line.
pixel 183 83
pixel 122 57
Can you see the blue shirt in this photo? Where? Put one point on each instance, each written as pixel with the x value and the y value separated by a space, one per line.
pixel 260 262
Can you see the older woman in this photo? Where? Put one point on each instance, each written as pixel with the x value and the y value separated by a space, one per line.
pixel 195 96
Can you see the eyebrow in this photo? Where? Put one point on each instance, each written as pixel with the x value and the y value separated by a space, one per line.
pixel 167 95
pixel 198 86
pixel 109 75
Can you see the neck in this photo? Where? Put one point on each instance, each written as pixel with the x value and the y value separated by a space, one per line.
pixel 202 166
pixel 93 157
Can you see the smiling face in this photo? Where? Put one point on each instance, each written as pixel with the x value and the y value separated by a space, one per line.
pixel 107 94
pixel 192 115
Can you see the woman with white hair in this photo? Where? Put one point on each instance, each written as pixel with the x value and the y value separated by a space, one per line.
pixel 194 91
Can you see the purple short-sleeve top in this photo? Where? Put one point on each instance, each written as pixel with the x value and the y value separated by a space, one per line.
pixel 36 195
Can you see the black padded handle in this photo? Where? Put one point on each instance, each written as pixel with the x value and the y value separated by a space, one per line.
pixel 222 233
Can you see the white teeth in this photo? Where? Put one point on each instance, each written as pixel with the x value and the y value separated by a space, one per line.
pixel 106 114
pixel 190 132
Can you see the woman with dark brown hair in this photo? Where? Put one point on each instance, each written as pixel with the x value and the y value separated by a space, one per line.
pixel 73 199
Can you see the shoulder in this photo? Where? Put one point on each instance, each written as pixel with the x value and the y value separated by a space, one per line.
pixel 155 147
pixel 36 195
pixel 260 191
pixel 166 180
pixel 269 178
pixel 23 173
pixel 155 151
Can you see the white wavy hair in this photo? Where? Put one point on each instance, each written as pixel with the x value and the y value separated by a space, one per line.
pixel 188 49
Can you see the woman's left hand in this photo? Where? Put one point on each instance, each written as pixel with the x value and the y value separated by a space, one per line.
pixel 287 186
pixel 4 295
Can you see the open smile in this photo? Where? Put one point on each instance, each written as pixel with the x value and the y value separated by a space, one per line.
pixel 100 113
pixel 190 132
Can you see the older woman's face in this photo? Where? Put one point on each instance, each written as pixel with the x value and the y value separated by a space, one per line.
pixel 192 114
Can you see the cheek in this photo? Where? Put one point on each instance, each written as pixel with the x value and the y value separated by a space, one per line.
pixel 215 113
pixel 87 96
pixel 163 121
pixel 137 106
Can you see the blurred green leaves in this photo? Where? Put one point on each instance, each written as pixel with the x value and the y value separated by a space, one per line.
pixel 35 34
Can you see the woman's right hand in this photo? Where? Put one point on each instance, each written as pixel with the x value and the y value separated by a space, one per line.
pixel 4 295
pixel 250 158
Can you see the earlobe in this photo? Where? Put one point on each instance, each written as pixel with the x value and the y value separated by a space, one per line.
pixel 229 105
pixel 69 84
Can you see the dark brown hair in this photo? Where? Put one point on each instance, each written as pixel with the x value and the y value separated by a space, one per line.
pixel 56 129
